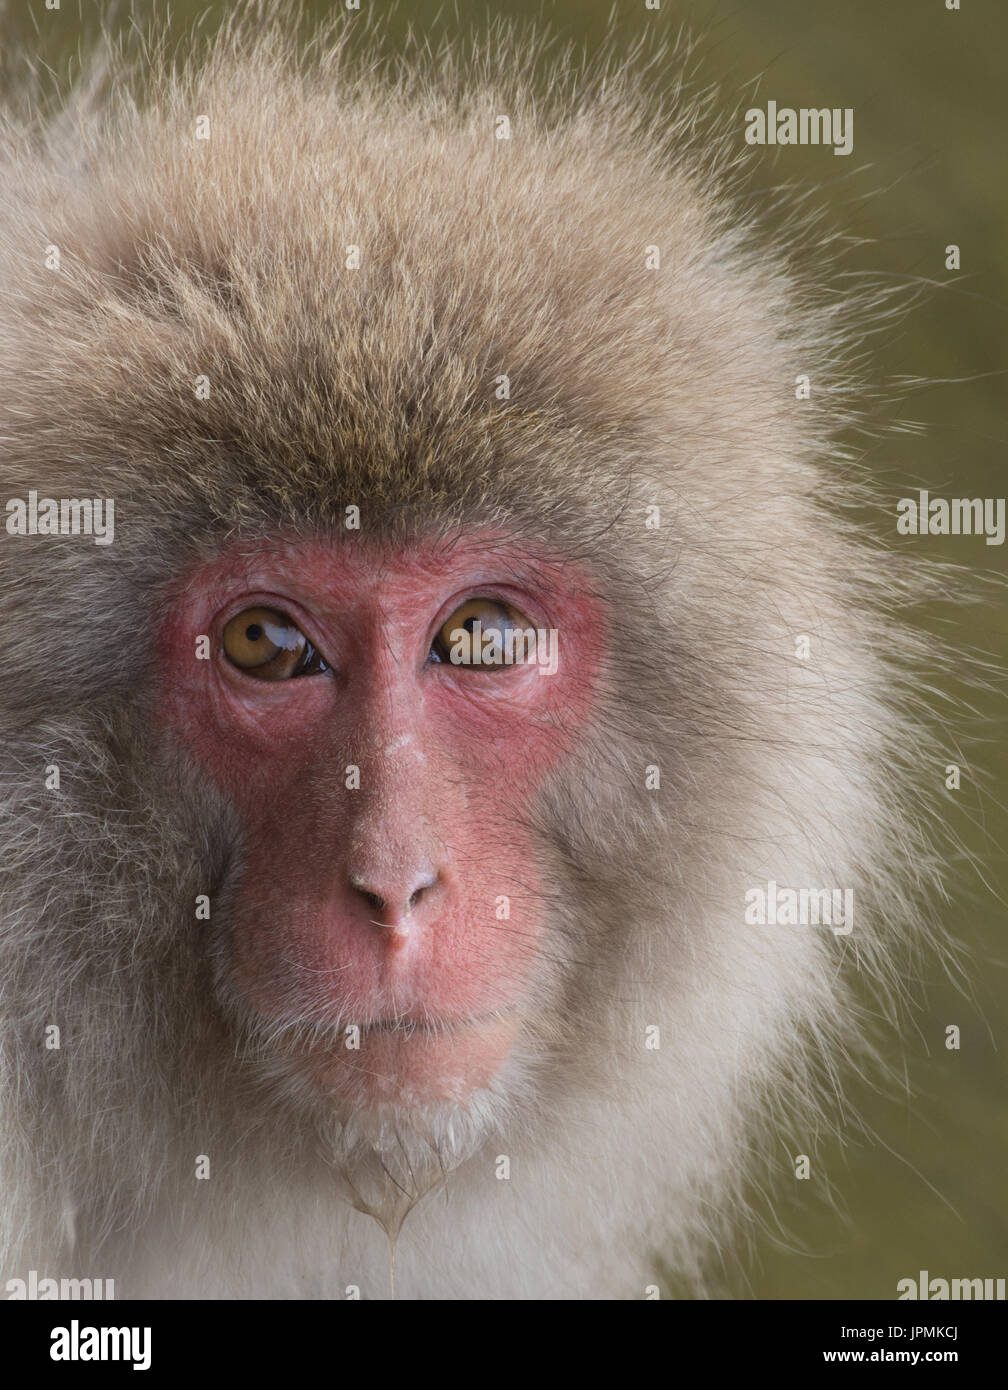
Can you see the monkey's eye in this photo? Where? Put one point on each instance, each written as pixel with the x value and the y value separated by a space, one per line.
pixel 484 633
pixel 267 645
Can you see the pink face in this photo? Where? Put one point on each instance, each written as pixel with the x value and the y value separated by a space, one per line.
pixel 412 905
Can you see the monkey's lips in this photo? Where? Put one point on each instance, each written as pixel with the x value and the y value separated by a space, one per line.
pixel 417 1062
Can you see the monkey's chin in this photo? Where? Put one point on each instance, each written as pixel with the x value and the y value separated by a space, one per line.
pixel 414 1065
pixel 384 1158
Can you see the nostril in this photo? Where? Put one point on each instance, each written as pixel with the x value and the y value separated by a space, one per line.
pixel 397 903
pixel 426 882
pixel 377 902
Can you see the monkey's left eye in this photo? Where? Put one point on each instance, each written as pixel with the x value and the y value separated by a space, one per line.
pixel 266 644
pixel 484 632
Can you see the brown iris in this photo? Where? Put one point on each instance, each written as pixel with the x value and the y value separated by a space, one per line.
pixel 268 645
pixel 482 633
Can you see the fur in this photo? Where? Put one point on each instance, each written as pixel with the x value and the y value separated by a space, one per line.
pixel 375 386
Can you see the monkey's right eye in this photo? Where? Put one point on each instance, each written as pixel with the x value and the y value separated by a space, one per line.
pixel 266 644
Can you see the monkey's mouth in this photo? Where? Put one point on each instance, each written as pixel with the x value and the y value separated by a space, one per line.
pixel 414 1061
pixel 436 1027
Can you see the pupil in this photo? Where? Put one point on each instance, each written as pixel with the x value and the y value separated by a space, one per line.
pixel 253 632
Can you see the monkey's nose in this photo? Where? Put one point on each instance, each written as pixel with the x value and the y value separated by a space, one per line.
pixel 391 903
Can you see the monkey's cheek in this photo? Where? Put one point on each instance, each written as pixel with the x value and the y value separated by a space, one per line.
pixel 416 1068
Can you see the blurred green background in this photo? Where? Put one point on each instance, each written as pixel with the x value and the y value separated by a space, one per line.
pixel 928 168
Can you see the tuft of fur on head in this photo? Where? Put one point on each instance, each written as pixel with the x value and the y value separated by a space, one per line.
pixel 375 386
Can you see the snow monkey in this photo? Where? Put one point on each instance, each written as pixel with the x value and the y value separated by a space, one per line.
pixel 430 625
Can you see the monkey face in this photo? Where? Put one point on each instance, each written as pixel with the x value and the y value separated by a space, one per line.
pixel 384 740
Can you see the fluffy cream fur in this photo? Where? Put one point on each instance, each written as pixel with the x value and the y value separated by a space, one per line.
pixel 629 388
